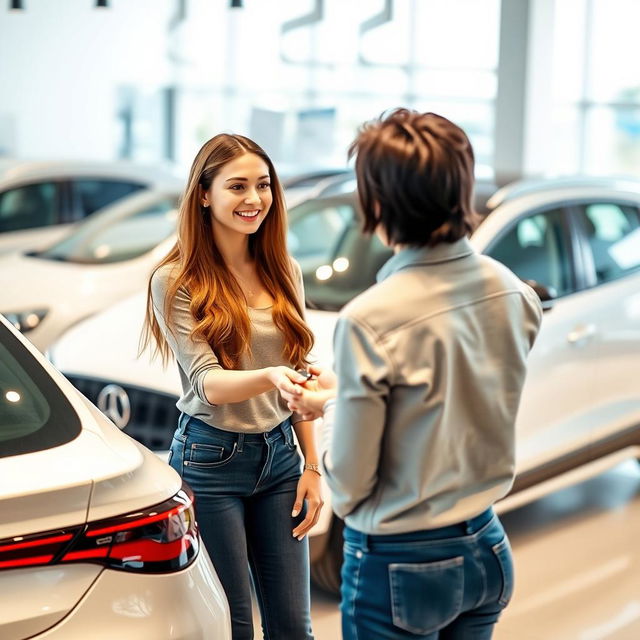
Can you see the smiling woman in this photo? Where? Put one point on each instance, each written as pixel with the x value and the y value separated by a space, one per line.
pixel 228 304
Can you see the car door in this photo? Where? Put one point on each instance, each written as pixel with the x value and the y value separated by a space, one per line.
pixel 610 232
pixel 554 417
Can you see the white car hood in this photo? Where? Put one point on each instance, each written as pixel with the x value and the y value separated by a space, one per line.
pixel 112 338
pixel 29 283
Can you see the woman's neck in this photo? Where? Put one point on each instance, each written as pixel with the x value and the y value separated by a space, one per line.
pixel 234 248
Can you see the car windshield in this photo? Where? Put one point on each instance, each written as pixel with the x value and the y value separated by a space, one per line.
pixel 338 261
pixel 117 235
pixel 34 413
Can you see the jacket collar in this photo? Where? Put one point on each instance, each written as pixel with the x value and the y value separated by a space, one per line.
pixel 414 256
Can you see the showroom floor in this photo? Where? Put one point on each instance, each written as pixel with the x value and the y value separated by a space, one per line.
pixel 577 556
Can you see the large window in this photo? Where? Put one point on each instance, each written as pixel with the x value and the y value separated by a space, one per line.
pixel 325 66
pixel 596 89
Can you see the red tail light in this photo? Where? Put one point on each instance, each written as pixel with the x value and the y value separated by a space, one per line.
pixel 159 539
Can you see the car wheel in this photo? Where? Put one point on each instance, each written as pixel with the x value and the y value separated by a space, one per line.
pixel 325 572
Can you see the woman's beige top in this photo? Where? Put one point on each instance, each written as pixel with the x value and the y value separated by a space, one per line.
pixel 195 358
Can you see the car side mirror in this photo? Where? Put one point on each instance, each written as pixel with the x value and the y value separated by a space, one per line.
pixel 546 294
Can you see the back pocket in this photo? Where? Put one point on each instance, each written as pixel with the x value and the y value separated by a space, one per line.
pixel 428 596
pixel 502 552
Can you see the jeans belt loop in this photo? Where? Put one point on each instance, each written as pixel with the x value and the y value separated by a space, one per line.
pixel 183 421
pixel 240 442
pixel 365 542
pixel 286 433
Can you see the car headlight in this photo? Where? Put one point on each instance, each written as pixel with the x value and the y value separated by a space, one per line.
pixel 26 321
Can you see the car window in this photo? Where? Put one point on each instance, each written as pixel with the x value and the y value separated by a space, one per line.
pixel 338 261
pixel 91 195
pixel 314 233
pixel 29 206
pixel 613 234
pixel 34 413
pixel 536 248
pixel 101 240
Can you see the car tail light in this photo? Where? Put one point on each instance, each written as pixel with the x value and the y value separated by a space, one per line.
pixel 158 539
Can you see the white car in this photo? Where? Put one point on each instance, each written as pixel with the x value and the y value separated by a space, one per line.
pixel 39 200
pixel 577 241
pixel 98 538
pixel 102 260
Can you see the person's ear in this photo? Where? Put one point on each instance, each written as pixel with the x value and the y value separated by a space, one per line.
pixel 204 199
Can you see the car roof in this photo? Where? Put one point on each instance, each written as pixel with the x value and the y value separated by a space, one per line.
pixel 531 186
pixel 14 171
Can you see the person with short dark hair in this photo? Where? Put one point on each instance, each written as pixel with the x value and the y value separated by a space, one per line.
pixel 420 415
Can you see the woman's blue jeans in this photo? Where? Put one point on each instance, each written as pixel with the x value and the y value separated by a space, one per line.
pixel 245 487
pixel 441 584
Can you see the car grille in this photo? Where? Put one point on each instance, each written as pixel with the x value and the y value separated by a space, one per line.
pixel 154 416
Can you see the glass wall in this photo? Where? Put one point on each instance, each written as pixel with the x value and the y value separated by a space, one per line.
pixel 301 80
pixel 596 89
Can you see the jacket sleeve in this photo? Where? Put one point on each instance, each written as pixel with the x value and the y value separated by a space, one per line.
pixel 354 423
pixel 193 354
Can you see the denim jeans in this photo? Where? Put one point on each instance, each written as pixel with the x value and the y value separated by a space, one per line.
pixel 449 583
pixel 245 487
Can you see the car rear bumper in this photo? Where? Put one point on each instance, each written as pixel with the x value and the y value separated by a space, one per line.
pixel 189 605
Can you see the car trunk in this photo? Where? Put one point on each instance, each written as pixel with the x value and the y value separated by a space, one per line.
pixel 100 474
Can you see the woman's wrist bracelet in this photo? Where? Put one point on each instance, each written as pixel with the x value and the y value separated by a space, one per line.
pixel 309 466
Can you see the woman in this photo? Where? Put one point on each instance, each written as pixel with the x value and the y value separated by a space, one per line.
pixel 430 364
pixel 228 303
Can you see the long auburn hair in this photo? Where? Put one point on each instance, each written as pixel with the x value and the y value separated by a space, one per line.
pixel 218 304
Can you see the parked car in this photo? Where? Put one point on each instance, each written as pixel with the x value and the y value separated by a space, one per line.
pixel 97 536
pixel 102 260
pixel 39 200
pixel 576 241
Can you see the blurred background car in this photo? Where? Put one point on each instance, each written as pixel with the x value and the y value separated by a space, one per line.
pixel 101 260
pixel 97 537
pixel 39 200
pixel 577 241
pixel 109 256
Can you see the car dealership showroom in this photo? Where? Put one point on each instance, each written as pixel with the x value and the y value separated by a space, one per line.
pixel 421 335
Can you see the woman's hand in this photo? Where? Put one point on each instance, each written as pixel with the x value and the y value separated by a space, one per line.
pixel 284 379
pixel 308 399
pixel 309 490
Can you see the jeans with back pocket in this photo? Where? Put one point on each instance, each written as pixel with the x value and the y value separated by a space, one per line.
pixel 450 583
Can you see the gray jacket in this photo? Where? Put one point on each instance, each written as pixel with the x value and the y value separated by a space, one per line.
pixel 431 362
